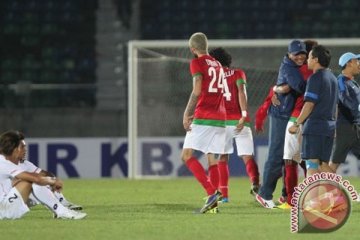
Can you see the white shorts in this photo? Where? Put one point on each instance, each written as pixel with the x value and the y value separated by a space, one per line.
pixel 243 140
pixel 291 145
pixel 207 139
pixel 12 206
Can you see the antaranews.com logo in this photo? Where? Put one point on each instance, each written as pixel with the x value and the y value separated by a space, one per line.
pixel 322 203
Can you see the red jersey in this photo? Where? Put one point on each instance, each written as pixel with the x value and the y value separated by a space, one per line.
pixel 306 73
pixel 234 78
pixel 210 108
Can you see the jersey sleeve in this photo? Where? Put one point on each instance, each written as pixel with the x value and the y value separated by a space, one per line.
pixel 195 68
pixel 313 89
pixel 15 170
pixel 240 78
pixel 30 167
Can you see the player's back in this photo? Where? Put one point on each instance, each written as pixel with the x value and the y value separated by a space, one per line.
pixel 322 85
pixel 210 105
pixel 234 78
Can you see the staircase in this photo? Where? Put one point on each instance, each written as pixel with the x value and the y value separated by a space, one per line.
pixel 111 38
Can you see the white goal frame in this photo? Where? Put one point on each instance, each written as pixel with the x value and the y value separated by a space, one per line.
pixel 133 77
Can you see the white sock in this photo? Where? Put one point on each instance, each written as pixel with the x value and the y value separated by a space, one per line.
pixel 44 195
pixel 60 197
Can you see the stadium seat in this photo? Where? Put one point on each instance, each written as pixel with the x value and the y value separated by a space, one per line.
pixel 40 49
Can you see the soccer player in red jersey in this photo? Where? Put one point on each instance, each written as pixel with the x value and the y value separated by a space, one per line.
pixel 237 125
pixel 205 115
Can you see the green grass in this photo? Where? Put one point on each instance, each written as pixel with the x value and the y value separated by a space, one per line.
pixel 162 209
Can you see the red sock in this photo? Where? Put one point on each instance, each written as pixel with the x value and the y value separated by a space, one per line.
pixel 252 171
pixel 199 173
pixel 224 178
pixel 291 180
pixel 214 175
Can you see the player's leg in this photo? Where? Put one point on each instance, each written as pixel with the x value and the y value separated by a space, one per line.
pixel 312 166
pixel 198 138
pixel 274 163
pixel 24 188
pixel 302 164
pixel 60 196
pixel 252 171
pixel 325 154
pixel 291 159
pixel 310 153
pixel 13 205
pixel 316 150
pixel 212 141
pixel 290 179
pixel 32 201
pixel 213 170
pixel 282 199
pixel 223 165
pixel 343 143
pixel 245 148
pixel 44 195
pixel 224 177
pixel 195 167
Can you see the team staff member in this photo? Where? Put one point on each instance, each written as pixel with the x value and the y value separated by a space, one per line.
pixel 279 116
pixel 348 121
pixel 293 141
pixel 318 112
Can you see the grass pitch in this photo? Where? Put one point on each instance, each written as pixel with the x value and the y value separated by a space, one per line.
pixel 163 209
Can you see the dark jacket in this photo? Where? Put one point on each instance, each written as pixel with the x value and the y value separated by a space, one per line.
pixel 349 101
pixel 289 73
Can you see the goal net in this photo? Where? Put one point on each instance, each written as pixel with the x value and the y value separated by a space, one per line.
pixel 160 84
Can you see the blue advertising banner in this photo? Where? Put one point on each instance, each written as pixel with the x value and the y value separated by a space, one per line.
pixel 158 157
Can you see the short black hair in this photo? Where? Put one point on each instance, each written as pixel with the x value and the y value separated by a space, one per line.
pixel 222 56
pixel 309 44
pixel 10 140
pixel 323 54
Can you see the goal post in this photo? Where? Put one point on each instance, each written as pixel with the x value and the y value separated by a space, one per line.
pixel 159 85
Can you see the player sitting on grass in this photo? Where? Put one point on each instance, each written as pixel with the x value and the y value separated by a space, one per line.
pixel 30 167
pixel 16 184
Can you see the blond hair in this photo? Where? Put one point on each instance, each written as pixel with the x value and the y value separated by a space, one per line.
pixel 199 42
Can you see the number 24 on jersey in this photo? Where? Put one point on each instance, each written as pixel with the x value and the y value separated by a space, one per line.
pixel 218 81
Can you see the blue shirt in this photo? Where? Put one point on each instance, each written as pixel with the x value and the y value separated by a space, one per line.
pixel 322 90
pixel 349 101
pixel 289 73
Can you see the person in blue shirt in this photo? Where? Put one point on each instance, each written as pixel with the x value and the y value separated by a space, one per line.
pixel 318 114
pixel 348 121
pixel 279 114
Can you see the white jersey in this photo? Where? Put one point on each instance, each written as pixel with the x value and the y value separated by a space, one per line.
pixel 29 167
pixel 8 171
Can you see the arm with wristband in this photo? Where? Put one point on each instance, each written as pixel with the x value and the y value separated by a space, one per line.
pixel 242 98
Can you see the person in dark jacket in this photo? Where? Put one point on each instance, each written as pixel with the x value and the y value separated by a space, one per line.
pixel 289 74
pixel 348 122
